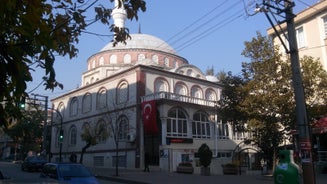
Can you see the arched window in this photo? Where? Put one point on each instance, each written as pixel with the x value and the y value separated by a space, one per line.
pixel 113 59
pixel 201 126
pixel 101 131
pixel 176 123
pixel 87 103
pixel 166 62
pixel 140 57
pixel 211 95
pixel 72 135
pixel 155 58
pixel 102 99
pixel 101 61
pixel 127 59
pixel 161 85
pixel 123 128
pixel 59 113
pixel 73 108
pixel 180 89
pixel 196 92
pixel 122 92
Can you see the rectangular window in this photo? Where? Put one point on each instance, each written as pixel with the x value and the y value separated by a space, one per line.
pixel 226 154
pixel 300 37
pixel 121 161
pixel 201 129
pixel 176 127
pixel 98 161
pixel 223 131
pixel 325 26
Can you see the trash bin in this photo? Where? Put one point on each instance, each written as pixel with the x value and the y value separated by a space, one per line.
pixel 286 171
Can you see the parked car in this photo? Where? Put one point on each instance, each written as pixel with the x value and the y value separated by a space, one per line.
pixel 185 167
pixel 33 163
pixel 73 173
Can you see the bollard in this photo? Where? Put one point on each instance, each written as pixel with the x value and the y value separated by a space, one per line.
pixel 286 171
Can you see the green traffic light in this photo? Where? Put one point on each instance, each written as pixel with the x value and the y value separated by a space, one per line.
pixel 22 103
pixel 61 135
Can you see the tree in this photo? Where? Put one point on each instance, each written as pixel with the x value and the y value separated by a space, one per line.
pixel 32 33
pixel 263 97
pixel 205 155
pixel 229 108
pixel 118 126
pixel 27 132
pixel 93 135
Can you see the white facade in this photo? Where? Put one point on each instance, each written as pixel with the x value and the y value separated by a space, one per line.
pixel 311 31
pixel 117 81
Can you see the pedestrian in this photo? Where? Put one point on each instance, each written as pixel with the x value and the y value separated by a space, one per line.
pixel 146 162
pixel 73 157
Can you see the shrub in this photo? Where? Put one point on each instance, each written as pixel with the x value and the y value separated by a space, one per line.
pixel 205 155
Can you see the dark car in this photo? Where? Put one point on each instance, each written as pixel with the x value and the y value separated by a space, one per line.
pixel 33 163
pixel 73 173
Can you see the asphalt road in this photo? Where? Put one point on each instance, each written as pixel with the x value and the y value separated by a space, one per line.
pixel 15 176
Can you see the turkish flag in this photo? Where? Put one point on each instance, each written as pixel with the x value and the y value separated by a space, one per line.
pixel 149 117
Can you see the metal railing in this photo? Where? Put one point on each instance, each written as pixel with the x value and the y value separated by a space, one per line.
pixel 179 98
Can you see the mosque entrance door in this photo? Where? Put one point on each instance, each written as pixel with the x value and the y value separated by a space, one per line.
pixel 151 147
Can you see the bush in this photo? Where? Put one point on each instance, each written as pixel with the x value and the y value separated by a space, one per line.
pixel 205 155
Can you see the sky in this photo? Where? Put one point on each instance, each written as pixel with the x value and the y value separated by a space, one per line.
pixel 207 33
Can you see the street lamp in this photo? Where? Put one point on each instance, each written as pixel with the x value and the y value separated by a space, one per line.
pixel 61 134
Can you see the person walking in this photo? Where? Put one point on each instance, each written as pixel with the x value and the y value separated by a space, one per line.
pixel 146 162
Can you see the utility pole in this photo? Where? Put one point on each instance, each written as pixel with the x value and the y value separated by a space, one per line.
pixel 304 139
pixel 43 102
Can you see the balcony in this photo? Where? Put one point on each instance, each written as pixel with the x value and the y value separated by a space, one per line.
pixel 179 98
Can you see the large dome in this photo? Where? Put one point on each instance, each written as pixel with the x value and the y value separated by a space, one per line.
pixel 142 41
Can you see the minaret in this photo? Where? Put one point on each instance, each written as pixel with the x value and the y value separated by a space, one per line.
pixel 119 14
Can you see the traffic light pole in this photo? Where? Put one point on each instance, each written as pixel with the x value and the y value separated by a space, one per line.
pixel 60 137
pixel 61 134
pixel 45 100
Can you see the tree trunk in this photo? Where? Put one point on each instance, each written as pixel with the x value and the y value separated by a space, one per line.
pixel 83 151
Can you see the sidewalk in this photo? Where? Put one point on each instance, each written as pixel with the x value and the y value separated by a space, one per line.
pixel 162 177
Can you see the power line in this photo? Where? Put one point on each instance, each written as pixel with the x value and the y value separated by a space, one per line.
pixel 209 31
pixel 219 25
pixel 193 31
pixel 197 20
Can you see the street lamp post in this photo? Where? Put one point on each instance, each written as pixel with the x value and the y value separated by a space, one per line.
pixel 60 138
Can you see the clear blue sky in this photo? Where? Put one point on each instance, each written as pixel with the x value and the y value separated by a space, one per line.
pixel 207 33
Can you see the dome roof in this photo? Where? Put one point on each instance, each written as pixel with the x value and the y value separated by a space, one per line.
pixel 142 41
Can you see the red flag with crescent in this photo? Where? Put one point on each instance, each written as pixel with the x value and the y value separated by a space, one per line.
pixel 149 116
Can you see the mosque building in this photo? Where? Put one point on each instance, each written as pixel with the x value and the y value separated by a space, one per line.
pixel 150 101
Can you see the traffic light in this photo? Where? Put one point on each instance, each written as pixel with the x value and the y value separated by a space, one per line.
pixel 61 135
pixel 22 103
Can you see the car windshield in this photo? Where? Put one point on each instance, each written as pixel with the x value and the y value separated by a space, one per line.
pixel 71 170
